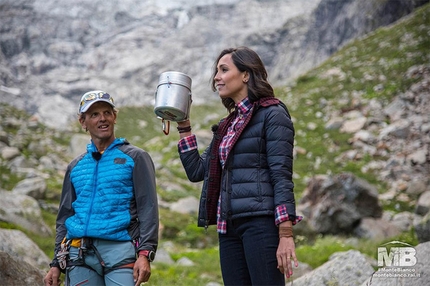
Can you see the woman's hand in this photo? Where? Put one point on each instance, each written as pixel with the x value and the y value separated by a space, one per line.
pixel 286 252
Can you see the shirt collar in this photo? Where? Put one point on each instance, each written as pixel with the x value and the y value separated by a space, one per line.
pixel 244 106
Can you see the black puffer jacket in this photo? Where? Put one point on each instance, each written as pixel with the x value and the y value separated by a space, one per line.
pixel 257 176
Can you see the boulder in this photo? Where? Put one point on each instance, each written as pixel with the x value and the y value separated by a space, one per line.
pixel 376 229
pixel 33 187
pixel 20 246
pixel 343 268
pixel 336 204
pixel 188 205
pixel 423 204
pixel 23 211
pixel 417 275
pixel 14 271
pixel 422 228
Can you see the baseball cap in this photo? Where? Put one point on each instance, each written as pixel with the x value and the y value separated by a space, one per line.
pixel 91 97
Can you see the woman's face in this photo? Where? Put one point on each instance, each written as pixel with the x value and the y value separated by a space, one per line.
pixel 229 81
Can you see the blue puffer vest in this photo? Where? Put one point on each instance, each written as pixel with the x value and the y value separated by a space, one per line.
pixel 102 205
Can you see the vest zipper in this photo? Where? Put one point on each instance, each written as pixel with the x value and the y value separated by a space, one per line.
pixel 96 171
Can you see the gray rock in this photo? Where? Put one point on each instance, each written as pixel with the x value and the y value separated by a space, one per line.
pixel 353 125
pixel 9 153
pixel 343 268
pixel 419 274
pixel 299 271
pixel 417 187
pixel 17 272
pixel 184 261
pixel 163 256
pixel 336 204
pixel 78 144
pixel 395 109
pixel 376 229
pixel 403 220
pixel 423 204
pixel 21 247
pixel 419 157
pixel 22 210
pixel 33 187
pixel 398 129
pixel 422 228
pixel 334 123
pixel 20 162
pixel 188 205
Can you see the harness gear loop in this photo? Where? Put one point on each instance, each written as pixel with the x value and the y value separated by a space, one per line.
pixel 62 253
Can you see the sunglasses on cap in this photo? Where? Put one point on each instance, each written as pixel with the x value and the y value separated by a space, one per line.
pixel 93 96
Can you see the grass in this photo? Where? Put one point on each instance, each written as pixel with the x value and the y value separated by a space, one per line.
pixel 8 180
pixel 205 269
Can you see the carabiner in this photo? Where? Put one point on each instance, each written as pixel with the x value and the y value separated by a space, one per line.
pixel 166 130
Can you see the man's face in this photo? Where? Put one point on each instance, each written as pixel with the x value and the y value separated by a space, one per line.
pixel 99 120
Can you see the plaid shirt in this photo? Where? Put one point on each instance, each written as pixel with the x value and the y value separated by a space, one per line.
pixel 243 110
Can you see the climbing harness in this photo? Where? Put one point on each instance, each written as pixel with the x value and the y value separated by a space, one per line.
pixel 84 245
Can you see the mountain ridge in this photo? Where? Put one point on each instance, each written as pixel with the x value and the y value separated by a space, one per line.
pixel 54 51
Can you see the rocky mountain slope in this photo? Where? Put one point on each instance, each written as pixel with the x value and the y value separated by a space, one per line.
pixel 52 51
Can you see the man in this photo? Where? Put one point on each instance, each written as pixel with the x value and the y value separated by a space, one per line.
pixel 107 224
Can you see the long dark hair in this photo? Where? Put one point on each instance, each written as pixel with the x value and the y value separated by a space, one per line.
pixel 247 60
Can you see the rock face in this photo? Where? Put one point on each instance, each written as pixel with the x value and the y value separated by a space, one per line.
pixel 51 52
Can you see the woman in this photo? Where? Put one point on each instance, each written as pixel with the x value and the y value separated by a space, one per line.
pixel 247 172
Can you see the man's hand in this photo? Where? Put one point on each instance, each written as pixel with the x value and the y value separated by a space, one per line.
pixel 141 270
pixel 52 278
